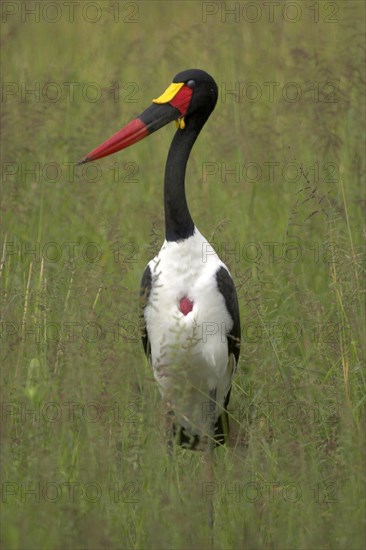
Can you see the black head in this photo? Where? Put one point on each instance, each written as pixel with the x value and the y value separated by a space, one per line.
pixel 204 90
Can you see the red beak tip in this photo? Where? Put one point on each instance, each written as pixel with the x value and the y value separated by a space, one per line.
pixel 83 161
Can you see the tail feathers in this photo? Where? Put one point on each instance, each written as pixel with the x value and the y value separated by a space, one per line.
pixel 192 441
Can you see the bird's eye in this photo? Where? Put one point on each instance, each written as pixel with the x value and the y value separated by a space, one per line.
pixel 191 83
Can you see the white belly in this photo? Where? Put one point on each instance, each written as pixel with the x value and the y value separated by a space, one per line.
pixel 189 353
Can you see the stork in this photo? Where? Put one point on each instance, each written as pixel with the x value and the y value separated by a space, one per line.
pixel 190 319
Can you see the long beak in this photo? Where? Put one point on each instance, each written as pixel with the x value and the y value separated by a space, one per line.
pixel 171 105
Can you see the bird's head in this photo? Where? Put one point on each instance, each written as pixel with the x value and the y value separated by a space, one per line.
pixel 199 89
pixel 191 97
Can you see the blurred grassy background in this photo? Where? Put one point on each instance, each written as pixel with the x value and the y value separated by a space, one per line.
pixel 88 468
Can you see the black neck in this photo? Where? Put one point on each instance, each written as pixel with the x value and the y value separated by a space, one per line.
pixel 178 221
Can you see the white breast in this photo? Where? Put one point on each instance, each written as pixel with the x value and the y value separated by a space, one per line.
pixel 189 353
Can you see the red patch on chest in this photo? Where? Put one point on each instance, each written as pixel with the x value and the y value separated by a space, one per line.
pixel 185 305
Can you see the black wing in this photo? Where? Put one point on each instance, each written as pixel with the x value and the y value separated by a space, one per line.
pixel 227 288
pixel 145 290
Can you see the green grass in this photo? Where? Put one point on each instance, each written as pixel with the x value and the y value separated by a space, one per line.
pixel 93 450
